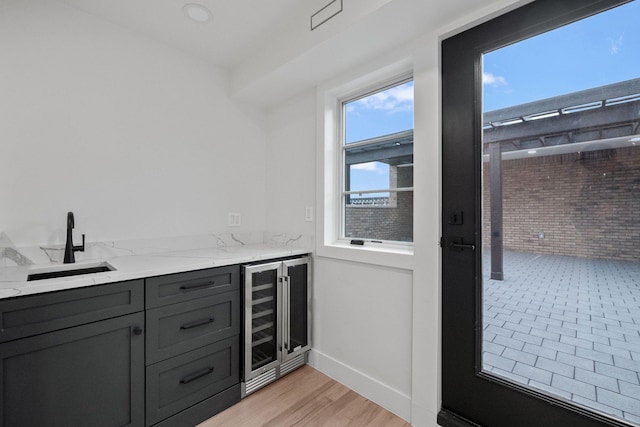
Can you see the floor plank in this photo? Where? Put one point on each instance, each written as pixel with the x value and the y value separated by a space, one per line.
pixel 305 398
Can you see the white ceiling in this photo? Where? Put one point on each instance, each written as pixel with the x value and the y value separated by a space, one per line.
pixel 267 45
pixel 237 28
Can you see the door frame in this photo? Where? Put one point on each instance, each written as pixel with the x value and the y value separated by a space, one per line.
pixel 469 396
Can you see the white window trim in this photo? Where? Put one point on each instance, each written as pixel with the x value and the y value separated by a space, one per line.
pixel 329 169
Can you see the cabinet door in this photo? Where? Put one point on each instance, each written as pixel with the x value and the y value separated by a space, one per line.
pixel 296 320
pixel 90 375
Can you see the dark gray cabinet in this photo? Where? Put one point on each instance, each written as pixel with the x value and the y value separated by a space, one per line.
pixel 193 345
pixel 162 351
pixel 91 372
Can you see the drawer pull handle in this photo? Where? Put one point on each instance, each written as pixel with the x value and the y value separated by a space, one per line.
pixel 197 286
pixel 196 375
pixel 198 323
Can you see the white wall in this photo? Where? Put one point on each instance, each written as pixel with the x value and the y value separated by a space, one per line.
pixel 291 164
pixel 362 329
pixel 137 139
pixel 426 284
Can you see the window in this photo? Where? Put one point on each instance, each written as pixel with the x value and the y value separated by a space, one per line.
pixel 365 166
pixel 377 159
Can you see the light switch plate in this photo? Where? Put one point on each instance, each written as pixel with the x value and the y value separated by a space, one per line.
pixel 308 213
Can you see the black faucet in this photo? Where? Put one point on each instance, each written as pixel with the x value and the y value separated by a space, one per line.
pixel 69 249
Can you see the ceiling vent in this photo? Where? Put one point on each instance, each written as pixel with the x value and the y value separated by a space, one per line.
pixel 326 13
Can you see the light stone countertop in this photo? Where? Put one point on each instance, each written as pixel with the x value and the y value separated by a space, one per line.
pixel 152 258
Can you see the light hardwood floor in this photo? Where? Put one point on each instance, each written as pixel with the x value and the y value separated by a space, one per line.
pixel 305 397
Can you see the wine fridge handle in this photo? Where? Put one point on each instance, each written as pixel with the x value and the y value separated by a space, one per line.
pixel 285 312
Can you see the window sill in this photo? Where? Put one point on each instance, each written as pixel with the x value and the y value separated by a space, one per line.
pixel 370 253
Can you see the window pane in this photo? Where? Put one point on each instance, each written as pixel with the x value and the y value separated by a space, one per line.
pixel 382 113
pixel 380 216
pixel 368 176
pixel 378 156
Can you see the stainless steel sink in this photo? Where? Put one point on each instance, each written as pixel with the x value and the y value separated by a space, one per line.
pixel 69 270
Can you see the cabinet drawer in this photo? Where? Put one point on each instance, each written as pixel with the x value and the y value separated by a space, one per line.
pixel 32 315
pixel 174 288
pixel 177 383
pixel 179 328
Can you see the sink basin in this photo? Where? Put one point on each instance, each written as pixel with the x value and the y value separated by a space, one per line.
pixel 69 270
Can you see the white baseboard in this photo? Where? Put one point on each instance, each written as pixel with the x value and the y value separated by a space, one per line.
pixel 383 395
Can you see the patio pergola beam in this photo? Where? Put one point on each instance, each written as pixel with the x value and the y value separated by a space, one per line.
pixel 603 93
pixel 613 119
pixel 495 179
pixel 392 155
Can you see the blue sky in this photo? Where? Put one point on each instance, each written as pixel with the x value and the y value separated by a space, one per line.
pixel 381 113
pixel 596 51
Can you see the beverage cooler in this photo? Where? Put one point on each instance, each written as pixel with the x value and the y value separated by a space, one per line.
pixel 277 320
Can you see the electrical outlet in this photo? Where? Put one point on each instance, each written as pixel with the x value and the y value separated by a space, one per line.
pixel 308 213
pixel 235 219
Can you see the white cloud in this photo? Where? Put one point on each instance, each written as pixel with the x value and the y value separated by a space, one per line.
pixel 493 80
pixel 616 45
pixel 399 98
pixel 369 167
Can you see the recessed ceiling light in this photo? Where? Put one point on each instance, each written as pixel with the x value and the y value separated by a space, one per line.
pixel 531 152
pixel 196 12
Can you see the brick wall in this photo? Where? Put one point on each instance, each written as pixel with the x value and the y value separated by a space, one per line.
pixel 392 222
pixel 582 204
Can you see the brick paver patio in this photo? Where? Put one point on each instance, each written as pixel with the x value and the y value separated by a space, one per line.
pixel 567 326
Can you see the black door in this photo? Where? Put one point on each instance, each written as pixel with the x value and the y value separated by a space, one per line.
pixel 498 368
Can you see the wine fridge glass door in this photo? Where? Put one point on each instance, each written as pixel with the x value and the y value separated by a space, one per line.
pixel 261 322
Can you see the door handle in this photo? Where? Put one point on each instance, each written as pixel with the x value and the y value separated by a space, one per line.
pixel 457 243
pixel 285 312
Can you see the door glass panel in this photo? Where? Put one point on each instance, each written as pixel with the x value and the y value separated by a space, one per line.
pixel 298 319
pixel 561 213
pixel 263 318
